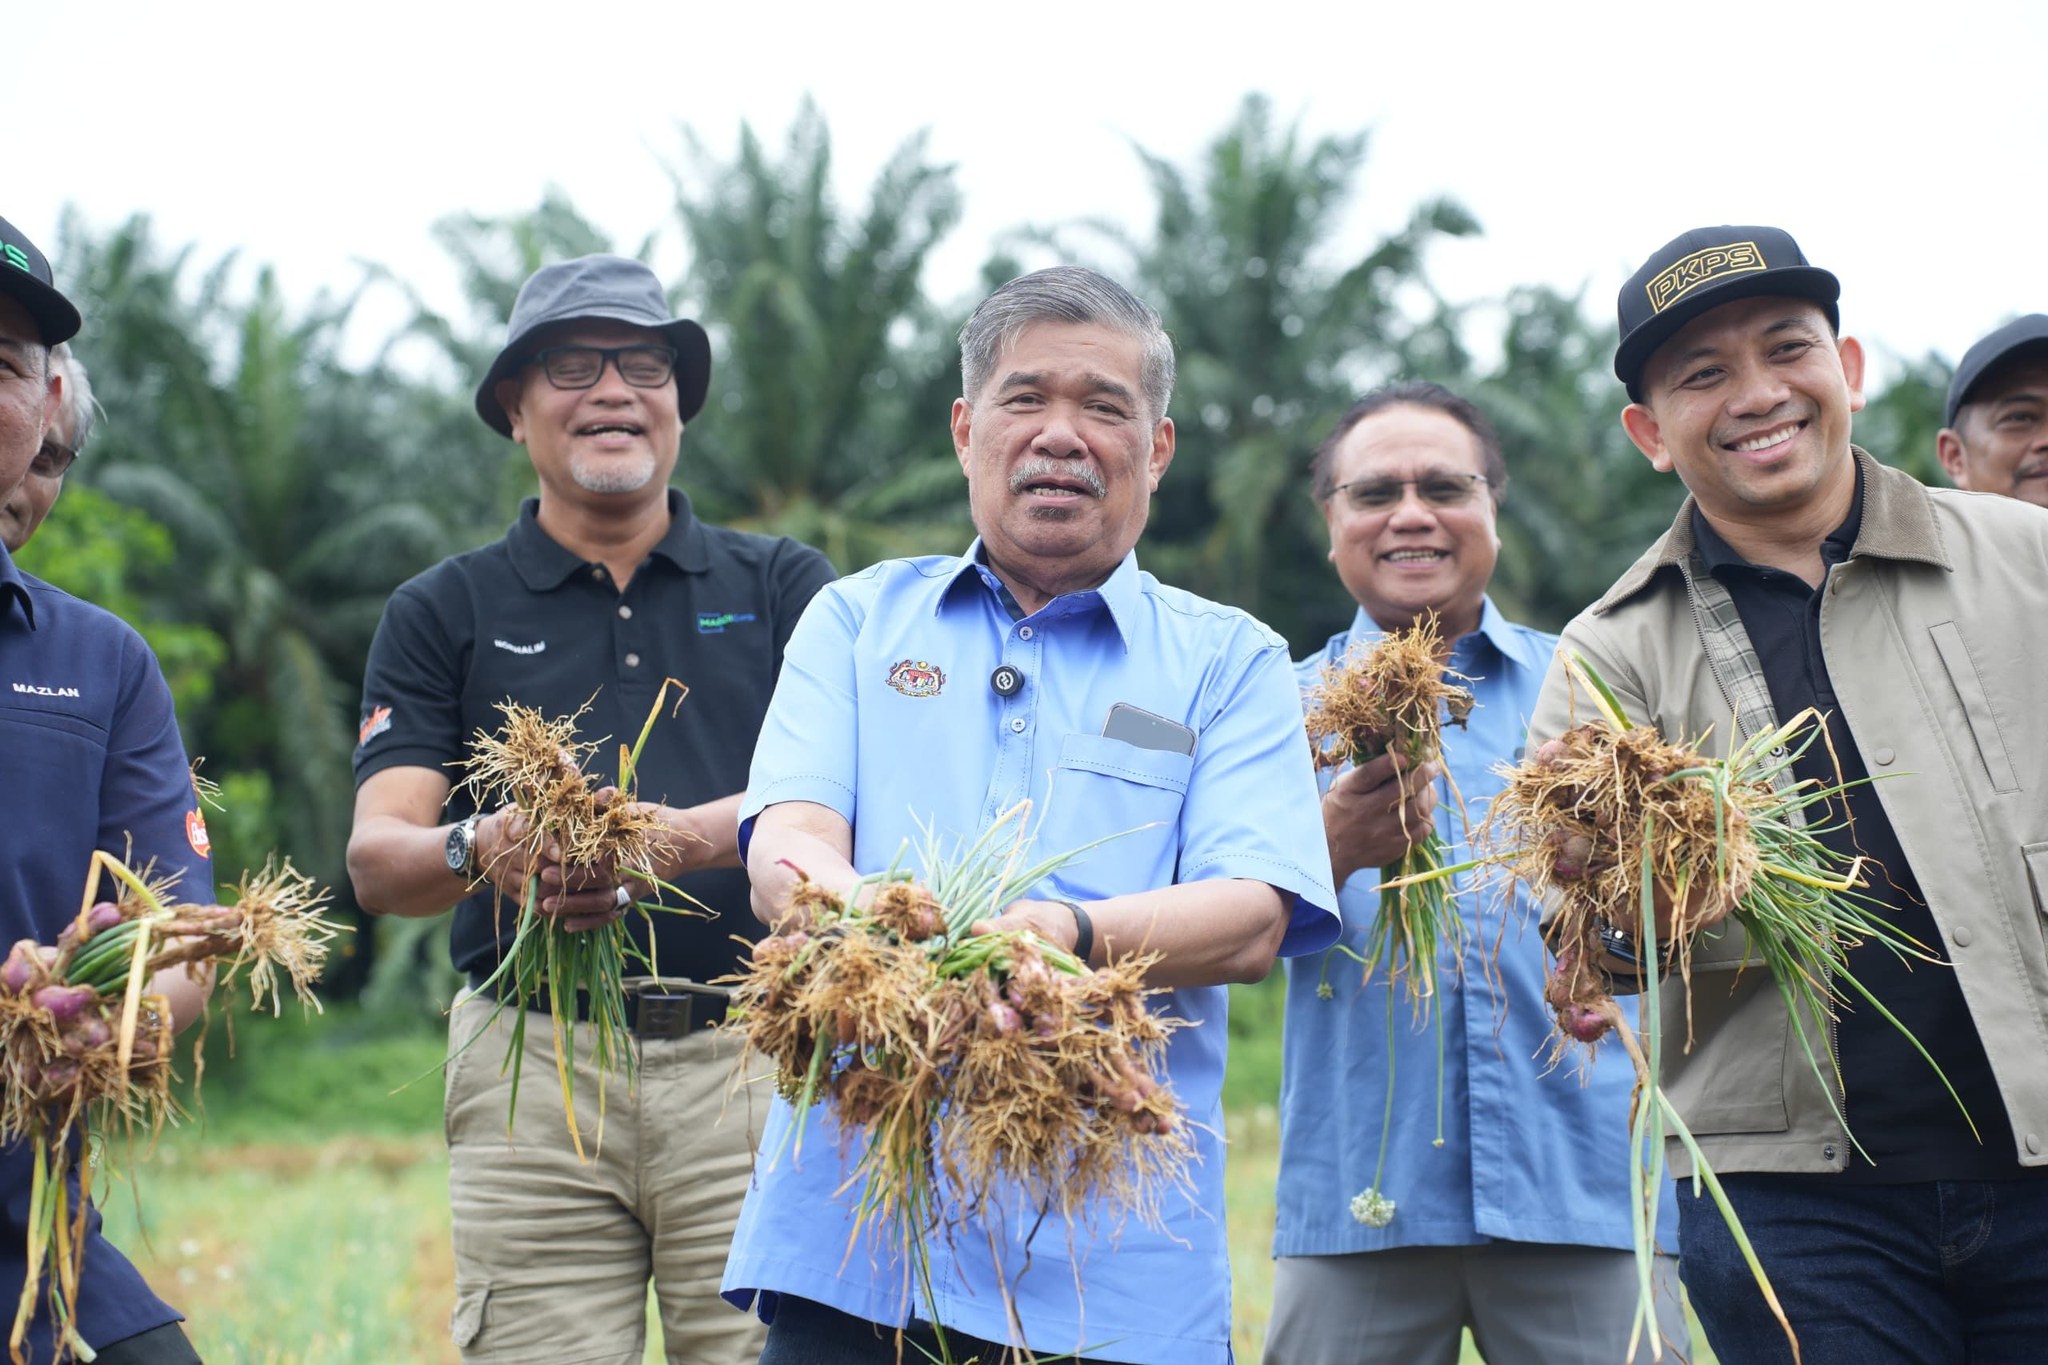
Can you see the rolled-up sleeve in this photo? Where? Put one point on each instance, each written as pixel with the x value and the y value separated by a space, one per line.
pixel 809 746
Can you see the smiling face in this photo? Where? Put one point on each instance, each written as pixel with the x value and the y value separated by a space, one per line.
pixel 1412 557
pixel 1750 403
pixel 1999 443
pixel 28 392
pixel 590 445
pixel 23 512
pixel 1061 457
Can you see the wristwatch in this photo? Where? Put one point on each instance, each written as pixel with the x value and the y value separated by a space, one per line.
pixel 461 849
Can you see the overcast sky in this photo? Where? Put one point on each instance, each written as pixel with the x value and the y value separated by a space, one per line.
pixel 1901 145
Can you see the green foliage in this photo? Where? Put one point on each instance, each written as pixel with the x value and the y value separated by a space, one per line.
pixel 822 332
pixel 1899 424
pixel 116 557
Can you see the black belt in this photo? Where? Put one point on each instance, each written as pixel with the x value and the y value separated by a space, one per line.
pixel 655 1008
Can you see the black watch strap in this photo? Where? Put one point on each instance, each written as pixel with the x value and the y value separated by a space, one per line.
pixel 1084 931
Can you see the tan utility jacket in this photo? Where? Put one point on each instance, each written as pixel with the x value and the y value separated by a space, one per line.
pixel 1935 632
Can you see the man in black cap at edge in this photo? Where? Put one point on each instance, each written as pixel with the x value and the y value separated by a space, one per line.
pixel 1994 435
pixel 1802 572
pixel 606 586
pixel 93 761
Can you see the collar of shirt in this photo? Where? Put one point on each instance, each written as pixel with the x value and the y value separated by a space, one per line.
pixel 13 588
pixel 1494 629
pixel 1118 594
pixel 1718 555
pixel 543 562
pixel 1898 523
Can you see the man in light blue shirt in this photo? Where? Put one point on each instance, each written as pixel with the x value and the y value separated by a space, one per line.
pixel 945 690
pixel 1516 1226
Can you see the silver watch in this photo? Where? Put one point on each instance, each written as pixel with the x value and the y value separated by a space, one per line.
pixel 461 848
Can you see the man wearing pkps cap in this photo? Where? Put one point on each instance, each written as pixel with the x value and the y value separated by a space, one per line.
pixel 1994 435
pixel 94 761
pixel 606 586
pixel 1802 572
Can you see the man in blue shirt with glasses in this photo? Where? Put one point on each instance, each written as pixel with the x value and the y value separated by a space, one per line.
pixel 1515 1224
pixel 1041 664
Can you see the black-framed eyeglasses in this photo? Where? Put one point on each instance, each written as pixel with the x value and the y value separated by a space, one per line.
pixel 580 367
pixel 1437 490
pixel 52 459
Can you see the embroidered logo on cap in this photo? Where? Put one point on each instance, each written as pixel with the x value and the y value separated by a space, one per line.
pixel 196 835
pixel 16 257
pixel 1702 267
pixel 916 678
pixel 374 724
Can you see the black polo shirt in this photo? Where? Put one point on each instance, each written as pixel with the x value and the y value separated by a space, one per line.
pixel 525 619
pixel 1895 1105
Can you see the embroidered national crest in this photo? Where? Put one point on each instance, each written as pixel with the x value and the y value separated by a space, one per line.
pixel 917 677
pixel 374 724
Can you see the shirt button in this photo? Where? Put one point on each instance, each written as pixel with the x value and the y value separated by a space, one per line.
pixel 2033 1145
pixel 1017 725
pixel 1882 756
pixel 1961 936
pixel 1023 632
pixel 1828 1152
pixel 597 571
pixel 632 661
pixel 625 612
pixel 1835 585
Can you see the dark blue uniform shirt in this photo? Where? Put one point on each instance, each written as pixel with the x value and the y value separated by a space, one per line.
pixel 93 761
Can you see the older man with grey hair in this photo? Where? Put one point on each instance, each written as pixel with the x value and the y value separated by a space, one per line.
pixel 70 427
pixel 1042 665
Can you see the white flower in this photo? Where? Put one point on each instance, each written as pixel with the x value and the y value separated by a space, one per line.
pixel 1372 1208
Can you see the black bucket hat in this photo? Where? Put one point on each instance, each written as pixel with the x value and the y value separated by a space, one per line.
pixel 25 274
pixel 610 287
pixel 1704 269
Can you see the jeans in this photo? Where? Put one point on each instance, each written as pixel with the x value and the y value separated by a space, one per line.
pixel 1937 1273
pixel 809 1333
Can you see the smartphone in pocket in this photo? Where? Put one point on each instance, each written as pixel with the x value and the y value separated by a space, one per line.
pixel 1142 729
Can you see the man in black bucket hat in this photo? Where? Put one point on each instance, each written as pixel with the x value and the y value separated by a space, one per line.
pixel 1896 1199
pixel 605 587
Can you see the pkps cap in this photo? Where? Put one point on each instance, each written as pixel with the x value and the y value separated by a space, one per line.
pixel 2016 335
pixel 1704 269
pixel 25 274
pixel 610 287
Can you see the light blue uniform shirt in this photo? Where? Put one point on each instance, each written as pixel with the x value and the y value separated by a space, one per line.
pixel 885 712
pixel 1530 1154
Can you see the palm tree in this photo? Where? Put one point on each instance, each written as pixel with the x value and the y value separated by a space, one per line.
pixel 822 331
pixel 1273 340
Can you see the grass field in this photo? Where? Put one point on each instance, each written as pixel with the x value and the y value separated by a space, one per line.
pixel 306 1222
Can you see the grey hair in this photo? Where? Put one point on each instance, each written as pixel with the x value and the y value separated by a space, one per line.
pixel 1072 294
pixel 79 408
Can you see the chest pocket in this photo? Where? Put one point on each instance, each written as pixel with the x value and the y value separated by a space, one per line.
pixel 1977 705
pixel 1105 787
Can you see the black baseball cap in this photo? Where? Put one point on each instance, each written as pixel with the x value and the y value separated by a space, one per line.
pixel 2017 335
pixel 25 274
pixel 611 287
pixel 1703 269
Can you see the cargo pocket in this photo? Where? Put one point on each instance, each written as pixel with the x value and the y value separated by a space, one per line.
pixel 1735 1082
pixel 2037 875
pixel 468 1318
pixel 1977 707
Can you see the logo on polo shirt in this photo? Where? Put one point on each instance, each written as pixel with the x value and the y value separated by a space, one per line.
pixel 715 622
pixel 916 678
pixel 374 724
pixel 37 690
pixel 537 647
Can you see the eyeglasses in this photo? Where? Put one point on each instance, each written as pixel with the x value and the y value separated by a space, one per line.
pixel 52 460
pixel 1436 490
pixel 580 367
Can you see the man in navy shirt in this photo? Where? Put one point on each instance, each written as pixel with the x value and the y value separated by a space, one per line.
pixel 70 425
pixel 94 761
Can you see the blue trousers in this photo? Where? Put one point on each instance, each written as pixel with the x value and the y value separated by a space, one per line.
pixel 1939 1273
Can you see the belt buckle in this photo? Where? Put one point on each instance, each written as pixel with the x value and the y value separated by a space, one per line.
pixel 677 1008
